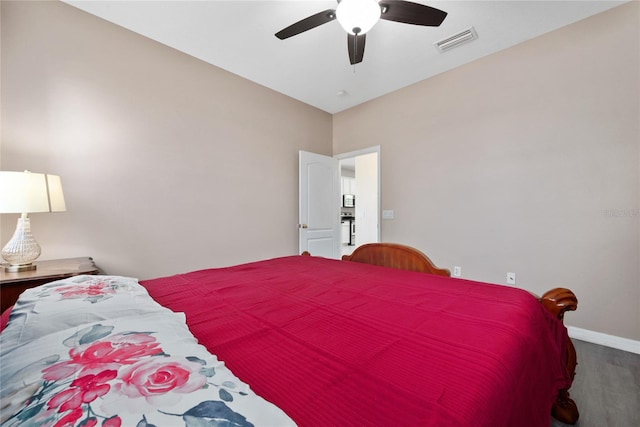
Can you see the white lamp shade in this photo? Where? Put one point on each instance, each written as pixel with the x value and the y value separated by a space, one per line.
pixel 26 192
pixel 360 14
pixel 56 197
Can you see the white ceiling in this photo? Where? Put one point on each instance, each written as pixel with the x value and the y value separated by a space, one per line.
pixel 313 67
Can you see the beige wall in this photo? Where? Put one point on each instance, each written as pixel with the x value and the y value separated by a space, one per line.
pixel 168 164
pixel 525 161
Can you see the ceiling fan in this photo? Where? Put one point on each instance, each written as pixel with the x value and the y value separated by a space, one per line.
pixel 359 16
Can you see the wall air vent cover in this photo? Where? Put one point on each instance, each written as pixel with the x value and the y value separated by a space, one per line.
pixel 457 39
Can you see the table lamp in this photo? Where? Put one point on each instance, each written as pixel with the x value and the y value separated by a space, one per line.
pixel 24 193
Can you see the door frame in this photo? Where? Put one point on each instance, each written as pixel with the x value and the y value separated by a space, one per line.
pixel 356 153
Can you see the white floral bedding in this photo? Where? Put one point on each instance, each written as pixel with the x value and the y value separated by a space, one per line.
pixel 134 364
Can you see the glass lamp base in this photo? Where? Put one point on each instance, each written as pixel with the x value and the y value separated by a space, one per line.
pixel 22 249
pixel 19 268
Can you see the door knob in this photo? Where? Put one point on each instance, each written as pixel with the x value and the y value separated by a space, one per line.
pixel 303 226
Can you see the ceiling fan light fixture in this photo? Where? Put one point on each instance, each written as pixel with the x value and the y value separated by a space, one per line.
pixel 358 16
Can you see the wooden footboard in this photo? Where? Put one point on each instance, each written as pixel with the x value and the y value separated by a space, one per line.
pixel 558 301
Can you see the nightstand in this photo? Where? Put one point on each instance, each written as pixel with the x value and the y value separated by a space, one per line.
pixel 13 284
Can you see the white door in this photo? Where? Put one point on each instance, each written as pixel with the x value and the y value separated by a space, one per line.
pixel 319 205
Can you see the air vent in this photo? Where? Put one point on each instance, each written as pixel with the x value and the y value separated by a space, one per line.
pixel 457 39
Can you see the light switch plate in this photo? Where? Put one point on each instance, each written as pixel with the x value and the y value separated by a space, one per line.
pixel 387 214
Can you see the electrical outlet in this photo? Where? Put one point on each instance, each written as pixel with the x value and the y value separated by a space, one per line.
pixel 511 278
pixel 457 271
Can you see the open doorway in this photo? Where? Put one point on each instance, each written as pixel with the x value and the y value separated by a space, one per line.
pixel 360 198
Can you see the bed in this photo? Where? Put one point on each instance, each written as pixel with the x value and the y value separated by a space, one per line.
pixel 382 337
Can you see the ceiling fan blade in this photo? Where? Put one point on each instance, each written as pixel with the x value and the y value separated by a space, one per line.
pixel 411 13
pixel 356 47
pixel 307 24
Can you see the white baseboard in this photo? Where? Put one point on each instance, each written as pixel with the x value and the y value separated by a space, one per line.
pixel 620 343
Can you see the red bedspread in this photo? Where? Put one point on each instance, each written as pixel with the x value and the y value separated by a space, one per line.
pixel 336 343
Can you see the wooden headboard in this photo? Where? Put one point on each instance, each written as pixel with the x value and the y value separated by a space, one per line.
pixel 397 256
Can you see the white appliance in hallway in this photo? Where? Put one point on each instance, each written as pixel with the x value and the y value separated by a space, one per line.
pixel 347 229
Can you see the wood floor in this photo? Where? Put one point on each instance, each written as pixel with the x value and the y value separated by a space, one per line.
pixel 606 387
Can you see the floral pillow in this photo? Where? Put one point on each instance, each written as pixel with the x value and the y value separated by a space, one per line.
pixel 75 301
pixel 143 371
